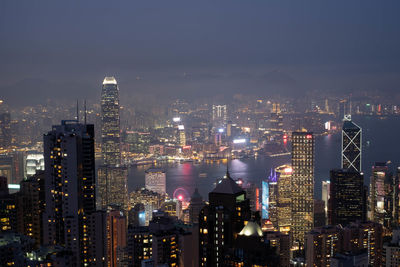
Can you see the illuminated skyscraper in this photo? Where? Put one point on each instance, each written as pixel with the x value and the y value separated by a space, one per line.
pixel 284 201
pixel 302 185
pixel 273 198
pixel 113 189
pixel 112 178
pixel 351 145
pixel 69 188
pixel 219 116
pixel 110 128
pixel 382 195
pixel 326 186
pixel 155 180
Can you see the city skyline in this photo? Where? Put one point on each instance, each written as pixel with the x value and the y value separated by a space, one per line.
pixel 188 134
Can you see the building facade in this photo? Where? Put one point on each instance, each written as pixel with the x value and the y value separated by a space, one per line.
pixel 346 202
pixel 70 193
pixel 351 145
pixel 302 185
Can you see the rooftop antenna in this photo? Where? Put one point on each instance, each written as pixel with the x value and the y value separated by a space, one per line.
pixel 77 110
pixel 227 170
pixel 85 110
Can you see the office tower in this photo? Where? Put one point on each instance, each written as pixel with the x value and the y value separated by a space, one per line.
pixel 252 193
pixel 219 116
pixel 113 188
pixel 326 185
pixel 110 119
pixel 30 205
pixel 284 174
pixel 322 244
pixel 116 236
pixel 12 166
pixel 155 180
pixel 351 145
pixel 381 194
pixel 302 185
pixel 319 213
pixel 34 162
pixel 221 220
pixel 275 120
pixel 273 198
pixel 195 206
pixel 5 130
pixel 181 135
pixel 151 201
pixel 346 201
pixel 69 188
pixel 112 178
pixel 391 250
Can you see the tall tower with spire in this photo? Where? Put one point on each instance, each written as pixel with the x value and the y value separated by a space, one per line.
pixel 112 177
pixel 110 122
pixel 351 145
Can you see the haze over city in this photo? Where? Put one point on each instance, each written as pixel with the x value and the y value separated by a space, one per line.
pixel 199 133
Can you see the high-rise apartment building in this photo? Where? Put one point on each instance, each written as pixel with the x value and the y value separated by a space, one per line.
pixel 351 145
pixel 70 194
pixel 325 242
pixel 110 120
pixel 116 236
pixel 346 202
pixel 155 180
pixel 302 185
pixel 30 205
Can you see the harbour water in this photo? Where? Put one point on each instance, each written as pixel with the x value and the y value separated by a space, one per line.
pixel 381 142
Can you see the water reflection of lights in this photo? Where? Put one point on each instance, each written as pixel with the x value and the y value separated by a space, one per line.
pixel 237 166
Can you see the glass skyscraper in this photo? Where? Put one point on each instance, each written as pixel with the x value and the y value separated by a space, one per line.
pixel 110 120
pixel 112 177
pixel 351 145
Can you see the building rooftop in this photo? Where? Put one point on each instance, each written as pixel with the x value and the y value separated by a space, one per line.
pixel 109 80
pixel 154 170
pixel 251 229
pixel 227 186
pixel 349 125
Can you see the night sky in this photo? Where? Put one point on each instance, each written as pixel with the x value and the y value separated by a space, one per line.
pixel 64 49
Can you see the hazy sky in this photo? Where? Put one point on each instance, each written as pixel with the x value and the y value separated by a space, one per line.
pixel 200 48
